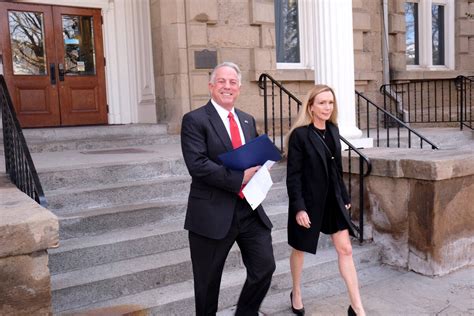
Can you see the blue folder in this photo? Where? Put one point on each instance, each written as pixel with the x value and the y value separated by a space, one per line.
pixel 255 152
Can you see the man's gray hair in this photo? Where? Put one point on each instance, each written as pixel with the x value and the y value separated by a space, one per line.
pixel 226 64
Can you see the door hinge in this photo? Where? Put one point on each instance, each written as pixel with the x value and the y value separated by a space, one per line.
pixel 101 20
pixel 105 62
pixel 107 108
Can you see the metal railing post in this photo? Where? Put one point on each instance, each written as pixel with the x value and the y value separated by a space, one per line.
pixel 18 163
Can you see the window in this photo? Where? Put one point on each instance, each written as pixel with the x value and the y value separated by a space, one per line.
pixel 429 34
pixel 287 31
pixel 293 32
pixel 412 40
pixel 437 34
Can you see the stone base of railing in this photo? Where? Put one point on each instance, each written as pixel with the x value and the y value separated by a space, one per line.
pixel 421 209
pixel 27 230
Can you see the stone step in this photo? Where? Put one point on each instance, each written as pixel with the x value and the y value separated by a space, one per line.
pixel 103 173
pixel 87 285
pixel 100 220
pixel 96 137
pixel 93 131
pixel 107 173
pixel 126 243
pixel 443 137
pixel 171 266
pixel 69 201
pixel 100 143
pixel 177 298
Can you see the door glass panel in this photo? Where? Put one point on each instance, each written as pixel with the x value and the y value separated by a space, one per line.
pixel 79 54
pixel 27 42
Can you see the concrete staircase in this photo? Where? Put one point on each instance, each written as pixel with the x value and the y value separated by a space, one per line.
pixel 443 137
pixel 120 193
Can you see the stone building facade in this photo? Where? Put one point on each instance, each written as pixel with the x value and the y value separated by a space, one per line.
pixel 151 48
pixel 243 31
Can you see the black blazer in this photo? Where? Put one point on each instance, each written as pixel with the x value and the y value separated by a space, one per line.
pixel 307 184
pixel 214 188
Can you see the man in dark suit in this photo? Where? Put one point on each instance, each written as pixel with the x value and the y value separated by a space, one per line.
pixel 217 215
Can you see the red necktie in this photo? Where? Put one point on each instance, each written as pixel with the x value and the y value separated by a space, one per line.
pixel 234 132
pixel 236 140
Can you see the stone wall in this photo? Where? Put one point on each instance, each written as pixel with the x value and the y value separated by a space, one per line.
pixel 465 41
pixel 243 31
pixel 169 39
pixel 368 33
pixel 421 209
pixel 27 230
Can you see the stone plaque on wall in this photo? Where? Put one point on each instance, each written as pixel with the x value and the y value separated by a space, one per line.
pixel 205 59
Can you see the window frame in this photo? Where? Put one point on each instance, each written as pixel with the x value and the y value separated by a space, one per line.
pixel 306 30
pixel 425 48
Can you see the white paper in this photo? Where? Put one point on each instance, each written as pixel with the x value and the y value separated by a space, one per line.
pixel 257 188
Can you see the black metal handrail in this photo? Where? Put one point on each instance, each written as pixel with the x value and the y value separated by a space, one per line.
pixel 18 163
pixel 278 112
pixel 263 82
pixel 389 120
pixel 423 101
pixel 363 161
pixel 465 99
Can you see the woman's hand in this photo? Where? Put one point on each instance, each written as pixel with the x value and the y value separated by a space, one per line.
pixel 348 206
pixel 302 219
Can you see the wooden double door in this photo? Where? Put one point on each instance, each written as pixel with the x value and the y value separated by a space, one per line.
pixel 53 63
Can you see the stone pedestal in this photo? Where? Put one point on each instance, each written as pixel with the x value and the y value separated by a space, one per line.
pixel 421 208
pixel 26 231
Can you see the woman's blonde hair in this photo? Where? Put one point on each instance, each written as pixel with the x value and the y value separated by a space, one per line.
pixel 305 116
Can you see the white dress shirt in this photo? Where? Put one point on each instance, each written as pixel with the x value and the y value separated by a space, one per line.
pixel 224 115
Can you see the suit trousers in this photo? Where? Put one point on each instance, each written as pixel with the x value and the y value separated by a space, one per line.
pixel 208 257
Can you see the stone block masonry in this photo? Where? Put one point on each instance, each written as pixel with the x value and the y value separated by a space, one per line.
pixel 27 230
pixel 421 208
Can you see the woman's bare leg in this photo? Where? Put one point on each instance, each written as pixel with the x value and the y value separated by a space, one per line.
pixel 296 265
pixel 343 246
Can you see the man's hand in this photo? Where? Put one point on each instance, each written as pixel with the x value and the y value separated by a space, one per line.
pixel 302 219
pixel 248 174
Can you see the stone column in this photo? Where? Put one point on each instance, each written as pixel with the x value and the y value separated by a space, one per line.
pixel 334 60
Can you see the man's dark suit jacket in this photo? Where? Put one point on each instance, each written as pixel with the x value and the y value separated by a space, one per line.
pixel 214 188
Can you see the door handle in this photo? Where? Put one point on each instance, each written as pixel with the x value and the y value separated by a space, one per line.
pixel 52 73
pixel 61 72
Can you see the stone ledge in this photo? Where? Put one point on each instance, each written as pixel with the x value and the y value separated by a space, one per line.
pixel 421 74
pixel 25 226
pixel 421 164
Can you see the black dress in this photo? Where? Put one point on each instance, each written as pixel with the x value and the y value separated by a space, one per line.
pixel 333 219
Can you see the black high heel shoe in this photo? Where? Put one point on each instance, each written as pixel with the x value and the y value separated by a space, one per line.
pixel 351 312
pixel 294 310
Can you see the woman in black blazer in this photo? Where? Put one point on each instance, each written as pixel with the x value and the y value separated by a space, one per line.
pixel 318 199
